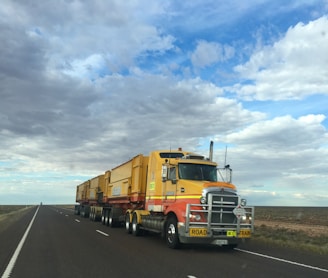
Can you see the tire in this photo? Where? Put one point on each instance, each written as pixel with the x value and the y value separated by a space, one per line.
pixel 103 217
pixel 171 233
pixel 106 217
pixel 135 226
pixel 128 224
pixel 77 210
pixel 111 221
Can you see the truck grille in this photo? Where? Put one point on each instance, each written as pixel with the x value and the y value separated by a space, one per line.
pixel 221 207
pixel 218 215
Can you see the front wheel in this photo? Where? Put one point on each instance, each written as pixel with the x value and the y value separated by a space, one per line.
pixel 171 233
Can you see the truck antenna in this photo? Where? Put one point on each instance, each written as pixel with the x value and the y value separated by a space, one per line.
pixel 225 156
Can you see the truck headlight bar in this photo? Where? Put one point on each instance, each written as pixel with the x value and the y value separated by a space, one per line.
pixel 194 217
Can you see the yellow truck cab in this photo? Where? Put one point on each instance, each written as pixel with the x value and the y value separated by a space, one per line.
pixel 193 201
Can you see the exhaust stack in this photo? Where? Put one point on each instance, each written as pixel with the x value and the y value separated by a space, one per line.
pixel 211 151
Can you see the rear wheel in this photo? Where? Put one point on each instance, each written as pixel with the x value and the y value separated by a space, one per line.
pixel 103 217
pixel 135 226
pixel 111 222
pixel 171 233
pixel 91 214
pixel 106 217
pixel 128 225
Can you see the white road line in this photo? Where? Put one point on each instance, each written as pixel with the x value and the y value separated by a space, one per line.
pixel 13 259
pixel 282 260
pixel 100 232
pixel 77 220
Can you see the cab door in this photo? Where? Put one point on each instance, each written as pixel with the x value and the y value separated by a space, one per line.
pixel 170 184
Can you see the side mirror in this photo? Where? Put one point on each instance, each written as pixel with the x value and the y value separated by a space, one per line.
pixel 164 173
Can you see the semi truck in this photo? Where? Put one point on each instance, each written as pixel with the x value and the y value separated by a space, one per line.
pixel 181 195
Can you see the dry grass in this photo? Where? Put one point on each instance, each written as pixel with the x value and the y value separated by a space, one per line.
pixel 6 210
pixel 297 227
pixel 10 214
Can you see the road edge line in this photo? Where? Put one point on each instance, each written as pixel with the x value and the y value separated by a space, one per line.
pixel 282 260
pixel 13 259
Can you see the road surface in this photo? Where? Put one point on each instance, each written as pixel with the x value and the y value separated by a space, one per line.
pixel 60 244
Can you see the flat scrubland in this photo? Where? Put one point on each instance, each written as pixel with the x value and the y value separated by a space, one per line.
pixel 303 228
pixel 10 214
pixel 7 210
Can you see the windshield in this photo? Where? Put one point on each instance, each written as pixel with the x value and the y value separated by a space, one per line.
pixel 199 172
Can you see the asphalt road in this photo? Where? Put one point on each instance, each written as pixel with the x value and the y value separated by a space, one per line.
pixel 60 244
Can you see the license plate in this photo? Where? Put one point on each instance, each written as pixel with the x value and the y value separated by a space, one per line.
pixel 198 232
pixel 231 233
pixel 220 242
pixel 244 233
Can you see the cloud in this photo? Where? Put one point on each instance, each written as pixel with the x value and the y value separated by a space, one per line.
pixel 208 53
pixel 86 86
pixel 67 35
pixel 285 155
pixel 280 133
pixel 292 68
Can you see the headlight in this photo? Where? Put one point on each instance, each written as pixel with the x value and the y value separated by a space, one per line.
pixel 243 202
pixel 194 217
pixel 203 200
pixel 246 219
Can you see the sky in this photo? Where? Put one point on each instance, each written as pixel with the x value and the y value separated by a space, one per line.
pixel 87 85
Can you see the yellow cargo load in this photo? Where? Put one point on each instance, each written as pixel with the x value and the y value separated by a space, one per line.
pixel 107 188
pixel 128 181
pixel 97 186
pixel 82 191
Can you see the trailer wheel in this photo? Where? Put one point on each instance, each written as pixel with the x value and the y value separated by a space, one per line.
pixel 111 221
pixel 128 223
pixel 110 218
pixel 135 226
pixel 103 217
pixel 106 217
pixel 171 233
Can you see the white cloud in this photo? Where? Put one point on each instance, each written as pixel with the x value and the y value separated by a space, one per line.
pixel 83 89
pixel 292 68
pixel 89 68
pixel 283 133
pixel 208 53
pixel 282 155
